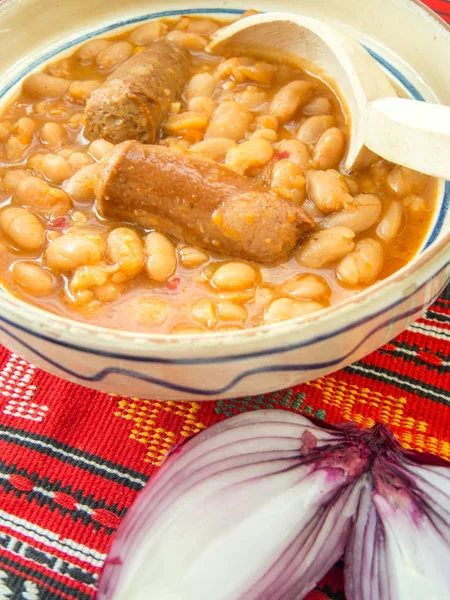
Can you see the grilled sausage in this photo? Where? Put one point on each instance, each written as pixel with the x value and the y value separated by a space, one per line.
pixel 135 98
pixel 198 201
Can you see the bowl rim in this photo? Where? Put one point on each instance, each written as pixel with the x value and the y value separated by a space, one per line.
pixel 66 327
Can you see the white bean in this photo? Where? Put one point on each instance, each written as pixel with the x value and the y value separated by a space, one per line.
pixel 392 220
pixel 88 51
pixel 297 152
pixel 260 72
pixel 14 148
pixel 230 120
pixel 185 120
pixel 99 148
pixel 328 190
pixel 191 257
pixel 24 129
pixel 44 199
pixel 21 137
pixel 253 97
pixel 402 181
pixel 12 178
pixel 318 106
pixel 288 181
pixel 416 206
pixel 73 250
pixel 55 168
pixel 151 310
pixel 226 68
pixel 312 210
pixel 192 41
pixel 42 85
pixel 5 129
pixel 234 276
pixel 23 227
pixel 306 287
pixel 288 100
pixel 79 218
pixel 161 258
pixel 229 311
pixel 249 154
pixel 202 104
pixel 267 122
pixel 32 278
pixel 146 33
pixel 66 152
pixel 201 84
pixel 80 91
pixel 52 134
pixel 363 265
pixel 362 213
pixel 265 134
pixel 214 148
pixel 202 26
pixel 312 128
pixel 108 292
pixel 111 56
pixel 329 149
pixel 324 247
pixel 283 309
pixel 125 249
pixel 204 311
pixel 77 160
pixel 87 277
pixel 80 186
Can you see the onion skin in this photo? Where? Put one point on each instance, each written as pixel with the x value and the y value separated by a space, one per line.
pixel 260 506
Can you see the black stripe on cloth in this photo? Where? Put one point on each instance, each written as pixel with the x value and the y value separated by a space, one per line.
pixel 75 457
pixel 442 303
pixel 412 386
pixel 403 350
pixel 16 583
pixel 42 497
pixel 437 316
pixel 446 293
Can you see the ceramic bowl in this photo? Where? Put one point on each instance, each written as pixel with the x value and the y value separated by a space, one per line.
pixel 408 40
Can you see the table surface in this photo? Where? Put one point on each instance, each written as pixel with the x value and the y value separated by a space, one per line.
pixel 72 459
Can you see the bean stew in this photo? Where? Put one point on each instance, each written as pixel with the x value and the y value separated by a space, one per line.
pixel 148 185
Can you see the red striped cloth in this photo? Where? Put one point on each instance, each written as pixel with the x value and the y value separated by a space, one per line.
pixel 72 460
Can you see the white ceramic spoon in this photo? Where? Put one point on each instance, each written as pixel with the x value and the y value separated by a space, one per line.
pixel 407 132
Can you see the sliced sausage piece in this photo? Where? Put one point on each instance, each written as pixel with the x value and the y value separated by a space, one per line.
pixel 135 98
pixel 198 201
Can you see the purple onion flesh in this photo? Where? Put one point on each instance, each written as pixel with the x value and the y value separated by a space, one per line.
pixel 260 506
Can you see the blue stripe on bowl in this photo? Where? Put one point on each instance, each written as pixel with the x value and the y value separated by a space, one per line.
pixel 331 364
pixel 227 358
pixel 412 90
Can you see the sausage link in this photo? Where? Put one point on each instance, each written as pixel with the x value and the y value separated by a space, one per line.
pixel 135 98
pixel 198 201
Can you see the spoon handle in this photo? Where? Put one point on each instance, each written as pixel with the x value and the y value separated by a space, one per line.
pixel 410 133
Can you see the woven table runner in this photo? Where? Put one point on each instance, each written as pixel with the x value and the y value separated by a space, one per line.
pixel 73 459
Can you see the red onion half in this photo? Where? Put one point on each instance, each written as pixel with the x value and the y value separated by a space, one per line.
pixel 260 507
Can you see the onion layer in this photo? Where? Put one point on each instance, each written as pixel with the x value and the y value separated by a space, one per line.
pixel 260 507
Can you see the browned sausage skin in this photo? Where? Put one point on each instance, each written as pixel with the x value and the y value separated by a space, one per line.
pixel 135 98
pixel 198 201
